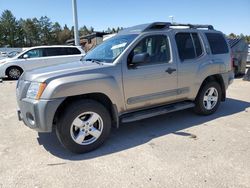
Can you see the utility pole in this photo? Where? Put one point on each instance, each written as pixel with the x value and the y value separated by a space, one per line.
pixel 172 19
pixel 76 33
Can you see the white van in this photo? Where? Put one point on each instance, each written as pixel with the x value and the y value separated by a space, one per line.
pixel 36 57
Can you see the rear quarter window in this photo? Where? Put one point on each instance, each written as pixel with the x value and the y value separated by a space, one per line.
pixel 217 43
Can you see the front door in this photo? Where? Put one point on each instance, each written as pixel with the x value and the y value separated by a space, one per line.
pixel 153 81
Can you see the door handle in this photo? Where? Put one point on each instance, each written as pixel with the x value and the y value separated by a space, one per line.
pixel 170 70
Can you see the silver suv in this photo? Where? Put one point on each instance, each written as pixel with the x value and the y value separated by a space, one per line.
pixel 143 71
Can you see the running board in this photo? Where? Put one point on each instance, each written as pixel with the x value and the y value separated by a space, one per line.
pixel 156 111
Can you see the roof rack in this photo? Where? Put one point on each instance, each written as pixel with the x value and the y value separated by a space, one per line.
pixel 195 26
pixel 166 25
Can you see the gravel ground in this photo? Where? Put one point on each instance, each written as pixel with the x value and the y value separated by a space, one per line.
pixel 180 149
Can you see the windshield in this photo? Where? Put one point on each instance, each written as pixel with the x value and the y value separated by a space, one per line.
pixel 109 50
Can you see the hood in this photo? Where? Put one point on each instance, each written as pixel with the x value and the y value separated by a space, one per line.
pixel 62 70
pixel 3 60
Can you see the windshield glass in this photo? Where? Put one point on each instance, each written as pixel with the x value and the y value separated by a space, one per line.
pixel 109 50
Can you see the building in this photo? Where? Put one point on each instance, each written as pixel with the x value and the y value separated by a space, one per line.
pixel 89 41
pixel 239 49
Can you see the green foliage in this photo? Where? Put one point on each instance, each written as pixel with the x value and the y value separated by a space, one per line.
pixel 9 28
pixel 246 37
pixel 33 31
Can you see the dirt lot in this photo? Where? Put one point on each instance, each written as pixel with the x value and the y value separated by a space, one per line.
pixel 175 150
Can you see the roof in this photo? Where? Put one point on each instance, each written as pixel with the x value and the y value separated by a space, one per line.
pixel 53 46
pixel 161 26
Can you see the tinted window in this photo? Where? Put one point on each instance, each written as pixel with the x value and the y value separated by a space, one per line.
pixel 72 51
pixel 217 42
pixel 62 51
pixel 185 46
pixel 156 46
pixel 197 44
pixel 54 51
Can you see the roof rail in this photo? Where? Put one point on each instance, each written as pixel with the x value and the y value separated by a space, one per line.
pixel 195 26
pixel 165 25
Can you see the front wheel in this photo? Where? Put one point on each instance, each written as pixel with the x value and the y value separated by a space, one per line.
pixel 208 99
pixel 14 73
pixel 83 126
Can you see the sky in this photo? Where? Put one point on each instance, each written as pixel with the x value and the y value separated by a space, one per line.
pixel 225 15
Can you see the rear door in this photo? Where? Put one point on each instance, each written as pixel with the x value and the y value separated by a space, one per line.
pixel 191 56
pixel 152 82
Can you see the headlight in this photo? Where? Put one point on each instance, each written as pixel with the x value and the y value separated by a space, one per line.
pixel 35 90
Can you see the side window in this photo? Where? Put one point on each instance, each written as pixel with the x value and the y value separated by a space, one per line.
pixel 189 45
pixel 72 51
pixel 185 46
pixel 34 53
pixel 54 51
pixel 217 43
pixel 156 47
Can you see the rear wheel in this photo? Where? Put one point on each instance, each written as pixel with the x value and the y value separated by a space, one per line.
pixel 14 72
pixel 84 126
pixel 208 99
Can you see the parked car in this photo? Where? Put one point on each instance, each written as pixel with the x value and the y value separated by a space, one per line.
pixel 143 71
pixel 37 57
pixel 3 55
pixel 12 54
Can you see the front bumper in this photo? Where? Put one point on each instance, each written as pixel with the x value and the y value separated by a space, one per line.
pixel 2 71
pixel 38 114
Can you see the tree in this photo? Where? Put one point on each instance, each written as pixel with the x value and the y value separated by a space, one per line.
pixel 84 31
pixel 232 35
pixel 64 35
pixel 56 30
pixel 9 28
pixel 31 31
pixel 46 30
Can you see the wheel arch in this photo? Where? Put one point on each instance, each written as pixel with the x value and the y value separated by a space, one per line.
pixel 217 78
pixel 99 97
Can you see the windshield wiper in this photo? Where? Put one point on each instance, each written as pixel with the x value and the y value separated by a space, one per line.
pixel 94 61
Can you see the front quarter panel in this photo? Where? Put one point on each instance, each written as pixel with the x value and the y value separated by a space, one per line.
pixel 86 84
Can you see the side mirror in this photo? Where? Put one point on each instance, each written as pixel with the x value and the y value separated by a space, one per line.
pixel 25 56
pixel 139 59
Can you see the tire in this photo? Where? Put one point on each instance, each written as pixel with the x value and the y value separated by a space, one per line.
pixel 206 104
pixel 88 133
pixel 14 73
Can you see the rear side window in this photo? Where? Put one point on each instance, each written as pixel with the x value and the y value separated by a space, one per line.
pixel 189 45
pixel 62 51
pixel 54 51
pixel 217 42
pixel 72 51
